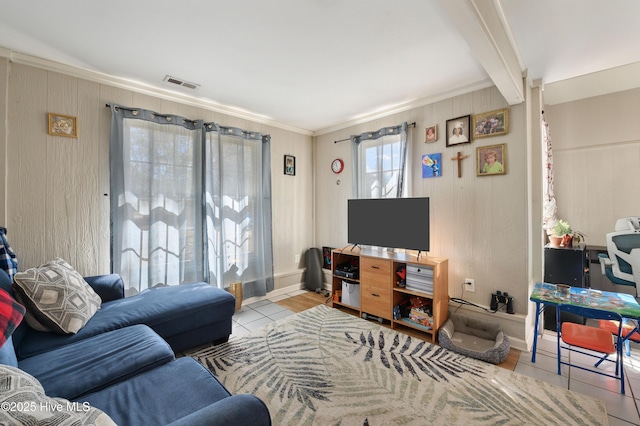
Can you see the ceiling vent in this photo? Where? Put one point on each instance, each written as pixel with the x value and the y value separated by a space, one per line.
pixel 180 82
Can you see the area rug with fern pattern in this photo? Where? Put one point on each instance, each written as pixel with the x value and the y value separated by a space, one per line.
pixel 325 367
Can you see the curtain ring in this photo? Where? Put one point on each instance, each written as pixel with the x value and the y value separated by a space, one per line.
pixel 135 112
pixel 116 109
pixel 168 118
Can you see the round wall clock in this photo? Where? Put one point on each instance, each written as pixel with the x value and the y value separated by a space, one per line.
pixel 337 166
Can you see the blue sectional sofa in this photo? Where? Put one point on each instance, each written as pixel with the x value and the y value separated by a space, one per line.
pixel 123 363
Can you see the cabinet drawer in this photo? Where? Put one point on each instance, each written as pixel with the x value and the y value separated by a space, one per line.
pixel 376 301
pixel 376 272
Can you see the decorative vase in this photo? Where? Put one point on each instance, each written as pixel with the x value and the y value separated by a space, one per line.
pixel 235 288
pixel 555 241
pixel 567 240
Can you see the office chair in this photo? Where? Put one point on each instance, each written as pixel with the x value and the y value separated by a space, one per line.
pixel 621 263
pixel 599 342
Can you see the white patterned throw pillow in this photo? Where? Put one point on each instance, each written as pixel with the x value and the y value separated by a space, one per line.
pixel 56 296
pixel 23 402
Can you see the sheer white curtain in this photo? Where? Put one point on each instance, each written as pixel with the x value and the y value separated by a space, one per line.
pixel 238 206
pixel 189 202
pixel 156 194
pixel 380 169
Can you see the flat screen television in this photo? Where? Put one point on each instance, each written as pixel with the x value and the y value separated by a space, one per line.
pixel 389 222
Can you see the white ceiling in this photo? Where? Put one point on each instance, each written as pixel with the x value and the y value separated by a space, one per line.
pixel 315 65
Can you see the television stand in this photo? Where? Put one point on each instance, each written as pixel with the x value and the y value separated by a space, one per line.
pixel 380 290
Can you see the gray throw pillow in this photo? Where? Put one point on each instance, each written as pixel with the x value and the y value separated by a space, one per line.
pixel 23 401
pixel 56 296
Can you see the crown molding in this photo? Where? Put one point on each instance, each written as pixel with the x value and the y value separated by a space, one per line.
pixel 612 80
pixel 159 92
pixel 416 103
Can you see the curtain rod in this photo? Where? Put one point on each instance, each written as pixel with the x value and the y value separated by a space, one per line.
pixel 348 139
pixel 154 113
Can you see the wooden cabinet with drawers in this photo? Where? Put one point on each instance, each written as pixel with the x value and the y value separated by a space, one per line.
pixel 373 274
pixel 375 292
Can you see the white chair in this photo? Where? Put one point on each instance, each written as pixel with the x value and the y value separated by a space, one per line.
pixel 621 264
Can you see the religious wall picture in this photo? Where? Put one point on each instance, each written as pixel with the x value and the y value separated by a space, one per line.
pixel 492 123
pixel 63 125
pixel 431 165
pixel 289 165
pixel 458 130
pixel 491 160
pixel 431 134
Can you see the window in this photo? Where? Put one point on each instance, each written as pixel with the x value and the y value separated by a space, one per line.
pixel 380 163
pixel 190 202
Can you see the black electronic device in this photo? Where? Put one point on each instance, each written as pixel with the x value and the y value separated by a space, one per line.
pixel 389 222
pixel 348 271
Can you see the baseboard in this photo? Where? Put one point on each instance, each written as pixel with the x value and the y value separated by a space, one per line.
pixel 281 291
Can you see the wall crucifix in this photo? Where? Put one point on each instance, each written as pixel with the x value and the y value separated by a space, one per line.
pixel 459 159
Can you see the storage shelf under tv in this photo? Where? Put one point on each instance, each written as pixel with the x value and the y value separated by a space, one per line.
pixel 379 292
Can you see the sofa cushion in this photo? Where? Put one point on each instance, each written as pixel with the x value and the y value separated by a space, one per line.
pixel 8 353
pixel 56 297
pixel 11 314
pixel 23 401
pixel 109 287
pixel 170 311
pixel 230 411
pixel 92 364
pixel 146 399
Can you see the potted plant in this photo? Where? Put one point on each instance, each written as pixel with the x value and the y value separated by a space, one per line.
pixel 578 237
pixel 561 234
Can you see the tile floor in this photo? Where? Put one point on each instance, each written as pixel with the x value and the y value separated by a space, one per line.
pixel 622 409
pixel 258 314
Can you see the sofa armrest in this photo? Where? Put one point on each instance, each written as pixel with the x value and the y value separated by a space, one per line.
pixel 237 410
pixel 109 287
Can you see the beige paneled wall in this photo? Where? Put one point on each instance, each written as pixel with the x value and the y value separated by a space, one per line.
pixel 57 198
pixel 478 223
pixel 4 78
pixel 596 145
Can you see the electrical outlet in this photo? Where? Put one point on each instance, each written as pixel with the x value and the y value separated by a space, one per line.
pixel 470 285
pixel 297 258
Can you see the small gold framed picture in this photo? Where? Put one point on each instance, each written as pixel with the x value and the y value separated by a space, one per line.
pixel 63 125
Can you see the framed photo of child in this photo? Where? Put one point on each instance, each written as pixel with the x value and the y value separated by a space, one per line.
pixel 492 123
pixel 458 130
pixel 431 133
pixel 491 160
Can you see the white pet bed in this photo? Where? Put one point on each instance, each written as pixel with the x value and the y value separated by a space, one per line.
pixel 475 338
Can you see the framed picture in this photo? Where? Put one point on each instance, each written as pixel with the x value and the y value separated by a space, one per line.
pixel 63 125
pixel 326 257
pixel 431 165
pixel 492 123
pixel 491 160
pixel 289 165
pixel 431 134
pixel 458 130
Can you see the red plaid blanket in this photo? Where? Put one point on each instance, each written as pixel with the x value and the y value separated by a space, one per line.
pixel 11 313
